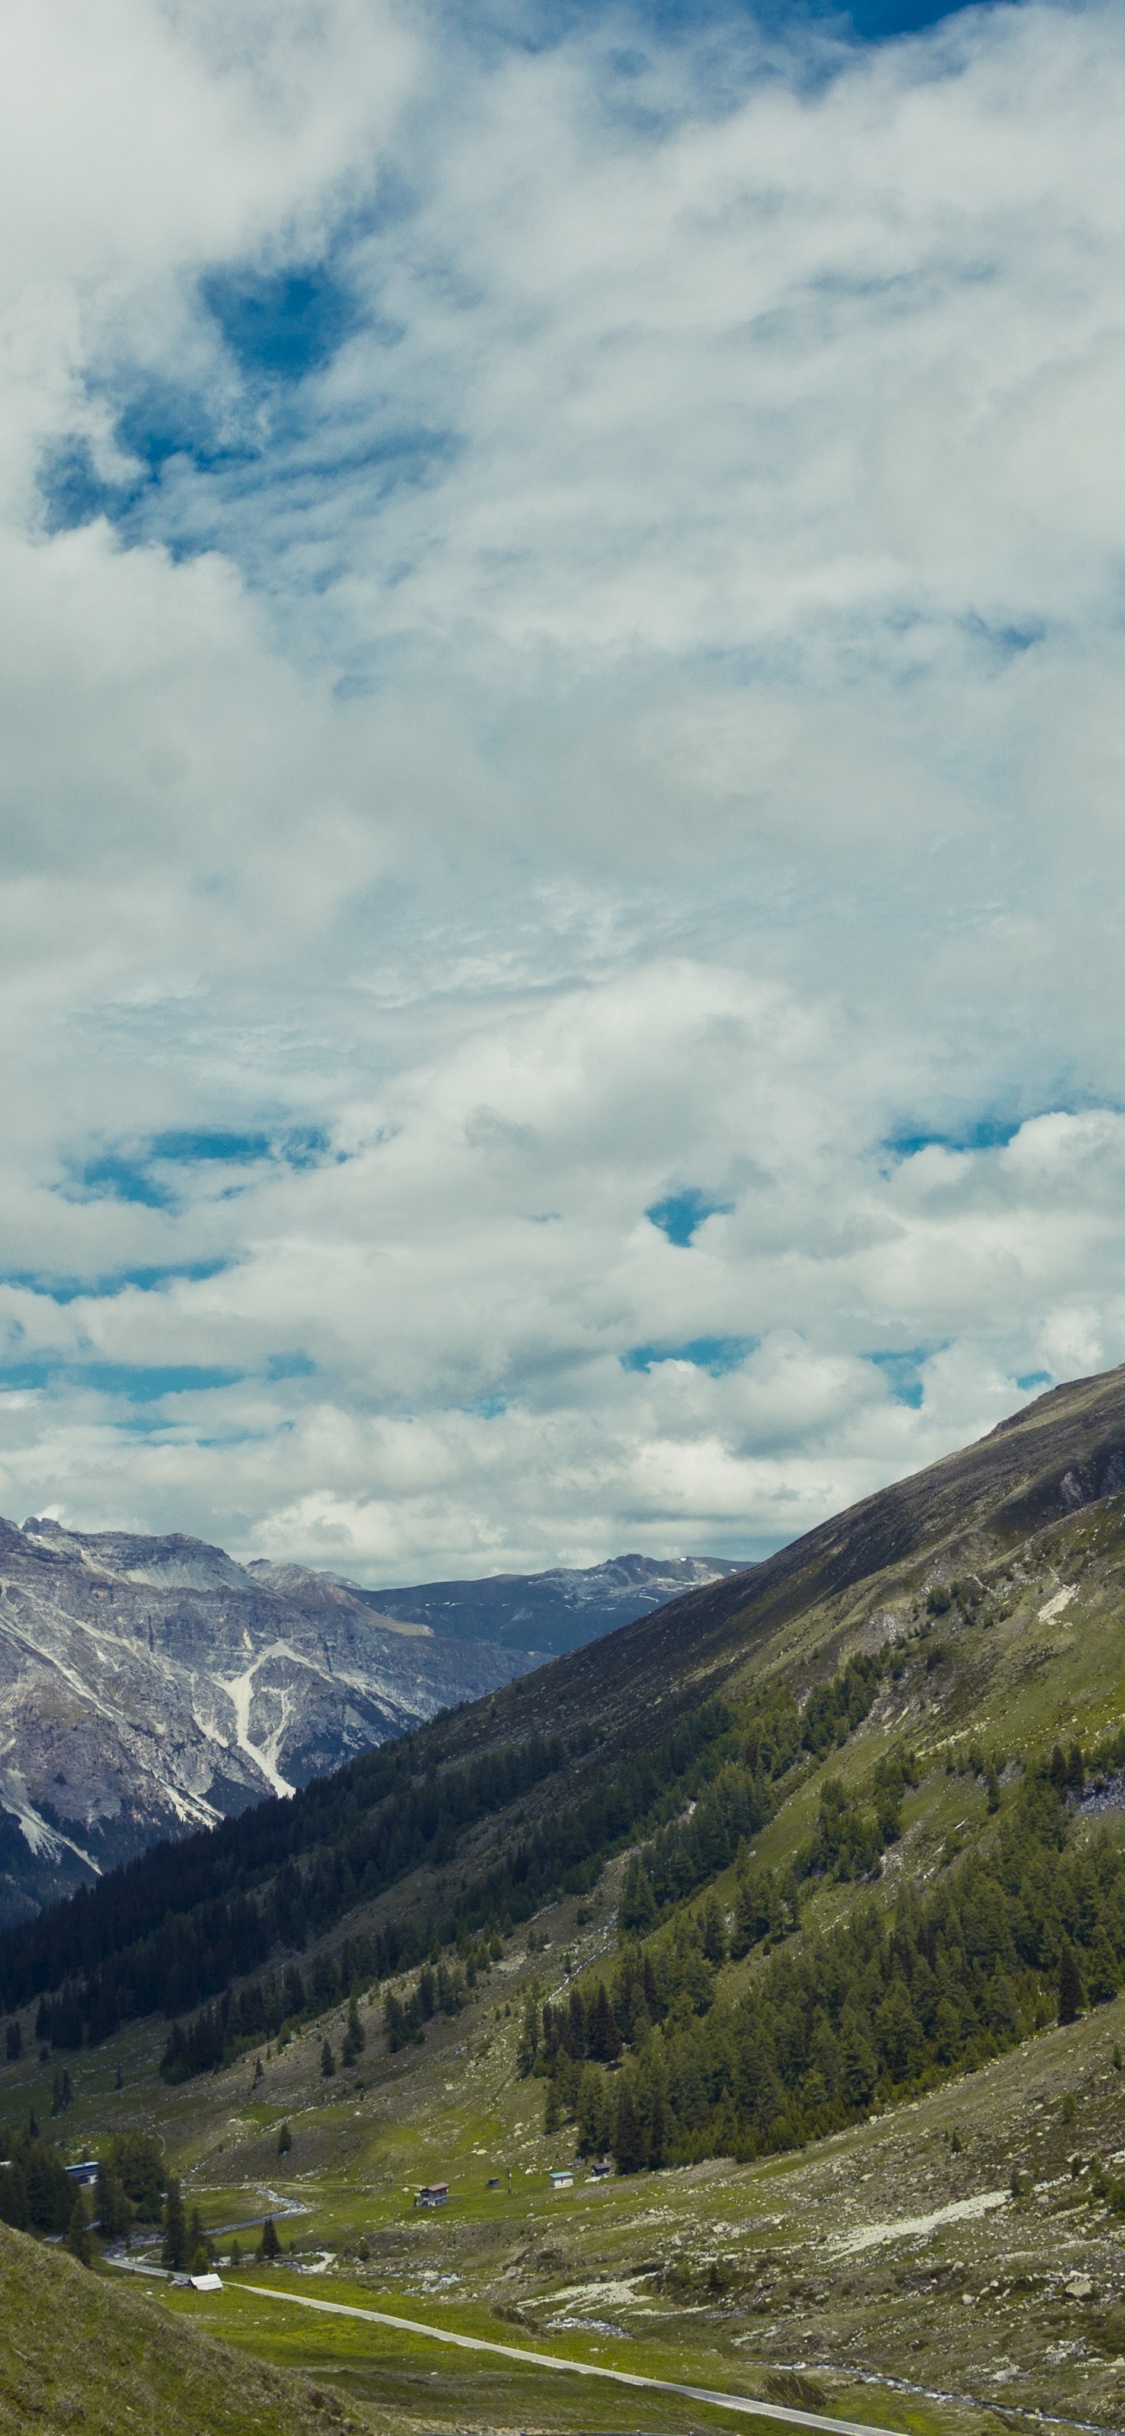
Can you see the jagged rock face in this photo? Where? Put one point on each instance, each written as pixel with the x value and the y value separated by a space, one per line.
pixel 151 1686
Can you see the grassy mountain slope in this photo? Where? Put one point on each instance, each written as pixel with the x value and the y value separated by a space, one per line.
pixel 78 2352
pixel 444 1823
pixel 954 1629
pixel 1009 1513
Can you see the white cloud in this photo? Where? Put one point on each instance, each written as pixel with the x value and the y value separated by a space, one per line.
pixel 631 713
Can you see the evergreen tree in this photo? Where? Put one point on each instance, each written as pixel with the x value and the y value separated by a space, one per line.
pixel 638 1903
pixel 628 2137
pixel 327 2062
pixel 603 2038
pixel 269 2247
pixel 1103 1971
pixel 712 1931
pixel 355 2037
pixel 174 2246
pixel 1070 1985
pixel 115 2213
pixel 284 2141
pixel 13 2042
pixel 594 2109
pixel 13 2197
pixel 858 2068
pixel 78 2240
pixel 657 2130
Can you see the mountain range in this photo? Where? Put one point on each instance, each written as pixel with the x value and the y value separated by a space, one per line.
pixel 554 1611
pixel 150 1686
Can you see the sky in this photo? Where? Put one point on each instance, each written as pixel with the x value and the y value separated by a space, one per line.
pixel 562 626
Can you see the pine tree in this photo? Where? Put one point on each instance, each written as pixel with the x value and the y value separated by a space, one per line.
pixel 712 1931
pixel 858 2068
pixel 327 2061
pixel 1070 1985
pixel 115 2214
pixel 284 2140
pixel 78 2240
pixel 13 2041
pixel 638 1903
pixel 628 2137
pixel 174 2247
pixel 657 2134
pixel 603 2038
pixel 269 2246
pixel 1103 1971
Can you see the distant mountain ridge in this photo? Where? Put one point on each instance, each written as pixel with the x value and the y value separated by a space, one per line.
pixel 153 1685
pixel 556 1611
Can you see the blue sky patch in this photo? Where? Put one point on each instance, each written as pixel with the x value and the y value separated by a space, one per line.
pixel 71 488
pixel 903 1372
pixel 680 1214
pixel 979 1133
pixel 290 1366
pixel 1035 1378
pixel 716 1354
pixel 112 1176
pixel 127 1175
pixel 548 21
pixel 283 326
pixel 154 423
pixel 190 1147
pixel 134 1382
pixel 103 1289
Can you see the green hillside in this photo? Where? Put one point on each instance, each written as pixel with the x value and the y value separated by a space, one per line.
pixel 803 1898
pixel 79 2352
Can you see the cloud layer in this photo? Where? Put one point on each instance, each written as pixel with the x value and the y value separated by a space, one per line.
pixel 562 633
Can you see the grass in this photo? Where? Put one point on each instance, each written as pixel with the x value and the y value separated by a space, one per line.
pixel 80 2351
pixel 390 2367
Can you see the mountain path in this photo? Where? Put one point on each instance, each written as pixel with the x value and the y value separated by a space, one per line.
pixel 582 2368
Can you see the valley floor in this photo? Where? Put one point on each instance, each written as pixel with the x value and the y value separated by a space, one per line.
pixel 887 2275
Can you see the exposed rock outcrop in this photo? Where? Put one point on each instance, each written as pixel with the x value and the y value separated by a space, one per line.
pixel 150 1686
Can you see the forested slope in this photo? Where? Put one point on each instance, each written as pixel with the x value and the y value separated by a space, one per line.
pixel 879 1704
